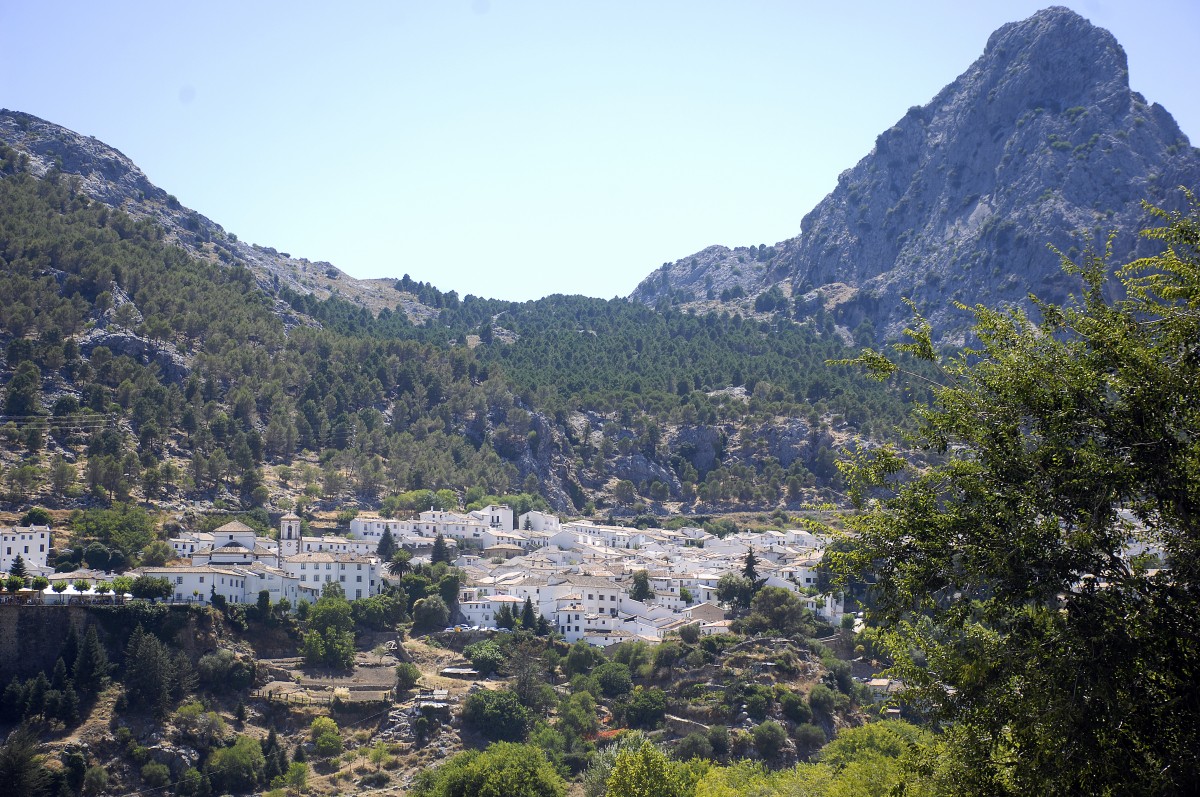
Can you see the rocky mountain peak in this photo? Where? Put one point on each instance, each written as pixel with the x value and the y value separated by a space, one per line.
pixel 1039 142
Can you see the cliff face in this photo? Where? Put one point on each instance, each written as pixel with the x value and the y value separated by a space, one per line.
pixel 109 177
pixel 1040 142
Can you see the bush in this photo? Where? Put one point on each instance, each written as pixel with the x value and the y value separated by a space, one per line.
pixel 694 745
pixel 613 678
pixel 646 707
pixel 430 614
pixel 156 775
pixel 769 738
pixel 513 770
pixel 794 707
pixel 407 675
pixel 498 715
pixel 822 699
pixel 485 656
pixel 809 738
pixel 326 737
pixel 95 779
pixel 224 671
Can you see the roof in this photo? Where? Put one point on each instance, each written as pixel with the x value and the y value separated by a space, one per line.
pixel 234 526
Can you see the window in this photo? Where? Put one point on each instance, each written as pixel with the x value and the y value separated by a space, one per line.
pixel 358 579
pixel 178 579
pixel 342 579
pixel 303 577
pixel 201 579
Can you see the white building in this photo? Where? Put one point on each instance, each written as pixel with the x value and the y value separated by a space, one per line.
pixel 359 576
pixel 31 543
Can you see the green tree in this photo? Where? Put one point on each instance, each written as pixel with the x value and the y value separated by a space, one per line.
pixel 238 768
pixel 646 707
pixel 398 564
pixel 441 552
pixel 150 588
pixel 614 678
pixel 326 737
pixel 430 614
pixel 640 589
pixel 647 771
pixel 407 675
pixel 387 547
pixel 22 770
pixel 497 714
pixel 1063 442
pixel 502 770
pixel 329 641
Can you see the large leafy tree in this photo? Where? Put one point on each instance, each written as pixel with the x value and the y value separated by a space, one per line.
pixel 502 770
pixel 1016 567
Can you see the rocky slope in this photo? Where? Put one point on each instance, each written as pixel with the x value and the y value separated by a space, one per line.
pixel 1041 141
pixel 107 176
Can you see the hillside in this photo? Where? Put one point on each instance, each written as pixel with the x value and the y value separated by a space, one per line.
pixel 134 368
pixel 1040 142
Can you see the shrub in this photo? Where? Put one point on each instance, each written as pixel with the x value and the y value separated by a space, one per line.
pixel 407 675
pixel 498 715
pixel 613 678
pixel 156 775
pixel 326 737
pixel 769 738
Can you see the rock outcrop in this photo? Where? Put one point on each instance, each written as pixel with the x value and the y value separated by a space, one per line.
pixel 1040 143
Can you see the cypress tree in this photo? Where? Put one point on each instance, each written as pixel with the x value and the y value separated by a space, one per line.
pixel 387 546
pixel 440 552
pixel 528 618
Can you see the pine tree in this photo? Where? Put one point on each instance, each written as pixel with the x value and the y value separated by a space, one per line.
pixel 543 626
pixel 504 617
pixel 69 651
pixel 69 707
pixel 18 567
pixel 440 552
pixel 91 665
pixel 58 679
pixel 149 672
pixel 387 546
pixel 528 618
pixel 270 749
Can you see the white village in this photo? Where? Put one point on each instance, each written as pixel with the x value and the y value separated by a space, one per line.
pixel 578 575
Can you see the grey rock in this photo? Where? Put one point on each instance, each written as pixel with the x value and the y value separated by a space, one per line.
pixel 1040 142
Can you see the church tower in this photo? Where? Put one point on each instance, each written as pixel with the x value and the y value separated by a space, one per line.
pixel 289 536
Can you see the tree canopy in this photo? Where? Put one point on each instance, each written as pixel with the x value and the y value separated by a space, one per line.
pixel 1017 567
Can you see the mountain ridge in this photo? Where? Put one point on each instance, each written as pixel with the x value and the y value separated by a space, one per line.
pixel 108 176
pixel 1040 139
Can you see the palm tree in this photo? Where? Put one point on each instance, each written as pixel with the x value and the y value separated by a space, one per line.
pixel 398 564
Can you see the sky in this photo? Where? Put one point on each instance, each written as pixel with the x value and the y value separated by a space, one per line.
pixel 514 150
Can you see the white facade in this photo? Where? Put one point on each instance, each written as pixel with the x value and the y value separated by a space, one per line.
pixel 31 543
pixel 359 576
pixel 538 521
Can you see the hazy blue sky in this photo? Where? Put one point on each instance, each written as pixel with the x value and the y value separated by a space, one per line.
pixel 518 149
